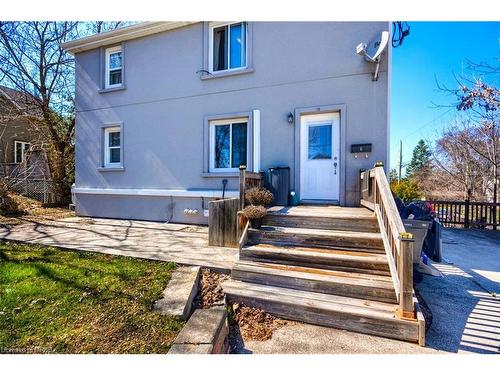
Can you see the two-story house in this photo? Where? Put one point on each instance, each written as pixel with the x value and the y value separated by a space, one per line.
pixel 165 111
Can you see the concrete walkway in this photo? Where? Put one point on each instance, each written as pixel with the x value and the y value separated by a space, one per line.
pixel 183 244
pixel 465 304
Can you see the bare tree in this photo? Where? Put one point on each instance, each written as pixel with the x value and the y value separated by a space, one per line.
pixel 459 167
pixel 480 103
pixel 33 62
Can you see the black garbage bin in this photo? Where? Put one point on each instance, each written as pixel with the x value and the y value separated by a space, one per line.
pixel 278 182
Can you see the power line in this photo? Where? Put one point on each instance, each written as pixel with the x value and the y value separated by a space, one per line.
pixel 423 126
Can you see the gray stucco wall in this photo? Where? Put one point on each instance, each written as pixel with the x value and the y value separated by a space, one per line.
pixel 164 104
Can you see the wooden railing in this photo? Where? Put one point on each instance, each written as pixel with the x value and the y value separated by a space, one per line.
pixel 223 222
pixel 376 195
pixel 468 214
pixel 247 181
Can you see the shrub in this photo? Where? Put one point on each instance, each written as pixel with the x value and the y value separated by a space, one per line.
pixel 406 189
pixel 259 196
pixel 9 202
pixel 254 212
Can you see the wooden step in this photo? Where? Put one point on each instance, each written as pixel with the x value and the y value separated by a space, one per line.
pixel 350 284
pixel 358 315
pixel 361 224
pixel 335 259
pixel 306 237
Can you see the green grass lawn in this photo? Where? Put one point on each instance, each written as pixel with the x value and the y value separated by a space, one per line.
pixel 60 301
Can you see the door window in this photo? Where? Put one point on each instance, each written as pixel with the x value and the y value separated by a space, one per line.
pixel 320 142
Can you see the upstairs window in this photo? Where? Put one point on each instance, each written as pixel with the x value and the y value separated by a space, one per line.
pixel 112 147
pixel 114 68
pixel 228 144
pixel 228 46
pixel 20 151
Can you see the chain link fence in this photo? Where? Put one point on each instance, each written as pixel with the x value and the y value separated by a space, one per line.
pixel 38 189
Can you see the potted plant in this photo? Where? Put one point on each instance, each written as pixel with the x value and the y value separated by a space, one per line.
pixel 255 214
pixel 259 196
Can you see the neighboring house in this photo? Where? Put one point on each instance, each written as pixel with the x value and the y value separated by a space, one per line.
pixel 21 155
pixel 166 111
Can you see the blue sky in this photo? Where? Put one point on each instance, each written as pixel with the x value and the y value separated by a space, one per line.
pixel 433 51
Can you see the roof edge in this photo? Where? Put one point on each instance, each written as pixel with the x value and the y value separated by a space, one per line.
pixel 121 34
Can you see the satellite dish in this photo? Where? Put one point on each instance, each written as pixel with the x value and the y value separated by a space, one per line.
pixel 373 50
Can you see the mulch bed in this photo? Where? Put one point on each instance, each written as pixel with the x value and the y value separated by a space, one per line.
pixel 252 323
pixel 210 289
pixel 256 324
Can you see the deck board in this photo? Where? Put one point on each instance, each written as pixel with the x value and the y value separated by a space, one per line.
pixel 323 211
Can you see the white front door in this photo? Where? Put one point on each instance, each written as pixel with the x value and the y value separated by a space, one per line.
pixel 320 156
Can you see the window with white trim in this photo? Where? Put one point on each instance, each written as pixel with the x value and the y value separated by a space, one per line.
pixel 227 46
pixel 112 147
pixel 228 144
pixel 114 67
pixel 20 151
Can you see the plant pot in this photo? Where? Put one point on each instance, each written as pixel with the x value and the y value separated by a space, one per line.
pixel 255 223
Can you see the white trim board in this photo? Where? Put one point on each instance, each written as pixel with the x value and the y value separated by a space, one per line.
pixel 157 192
pixel 121 34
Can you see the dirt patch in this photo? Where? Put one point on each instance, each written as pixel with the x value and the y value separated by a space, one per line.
pixel 30 210
pixel 255 324
pixel 210 289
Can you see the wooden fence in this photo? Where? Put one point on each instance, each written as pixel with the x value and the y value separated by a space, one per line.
pixel 468 214
pixel 222 222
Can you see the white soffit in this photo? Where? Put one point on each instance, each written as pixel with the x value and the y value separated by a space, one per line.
pixel 121 34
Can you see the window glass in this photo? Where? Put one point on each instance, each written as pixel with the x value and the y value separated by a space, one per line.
pixel 112 147
pixel 19 152
pixel 114 155
pixel 114 67
pixel 220 48
pixel 320 142
pixel 222 146
pixel 229 46
pixel 115 60
pixel 237 46
pixel 239 138
pixel 115 77
pixel 114 139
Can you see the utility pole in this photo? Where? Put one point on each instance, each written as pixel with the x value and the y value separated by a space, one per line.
pixel 400 159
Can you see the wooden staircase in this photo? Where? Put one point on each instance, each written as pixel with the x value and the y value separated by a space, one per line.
pixel 324 265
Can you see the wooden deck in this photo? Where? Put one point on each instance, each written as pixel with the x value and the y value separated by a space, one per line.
pixel 324 265
pixel 322 211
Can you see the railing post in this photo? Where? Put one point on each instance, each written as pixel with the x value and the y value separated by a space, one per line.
pixel 406 309
pixel 242 186
pixel 467 205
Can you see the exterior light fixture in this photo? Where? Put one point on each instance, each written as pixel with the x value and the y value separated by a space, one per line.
pixel 290 118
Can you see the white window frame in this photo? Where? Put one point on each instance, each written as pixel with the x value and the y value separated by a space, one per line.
pixel 211 27
pixel 107 70
pixel 24 146
pixel 107 148
pixel 230 122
